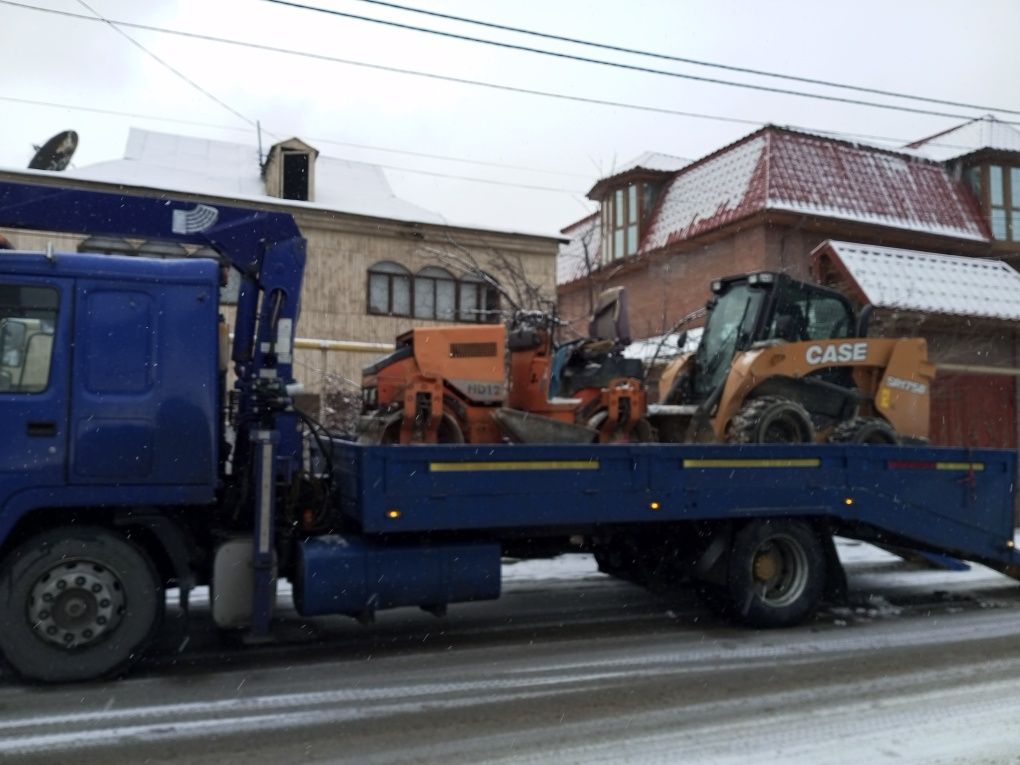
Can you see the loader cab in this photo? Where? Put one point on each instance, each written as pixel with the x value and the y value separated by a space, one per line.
pixel 763 308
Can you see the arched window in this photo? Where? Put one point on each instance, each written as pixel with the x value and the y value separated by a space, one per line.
pixel 389 289
pixel 477 300
pixel 435 294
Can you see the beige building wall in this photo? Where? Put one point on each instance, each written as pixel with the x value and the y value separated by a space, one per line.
pixel 341 249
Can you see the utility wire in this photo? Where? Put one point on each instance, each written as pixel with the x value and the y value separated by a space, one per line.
pixel 482 180
pixel 119 113
pixel 446 157
pixel 317 139
pixel 615 64
pixel 682 60
pixel 114 26
pixel 439 77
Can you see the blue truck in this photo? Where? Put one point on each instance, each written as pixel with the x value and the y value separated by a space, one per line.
pixel 135 461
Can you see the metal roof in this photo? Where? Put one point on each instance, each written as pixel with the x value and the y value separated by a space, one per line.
pixel 225 169
pixel 982 133
pixel 581 254
pixel 785 170
pixel 928 282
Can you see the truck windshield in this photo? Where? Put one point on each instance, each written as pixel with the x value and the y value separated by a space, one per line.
pixel 729 327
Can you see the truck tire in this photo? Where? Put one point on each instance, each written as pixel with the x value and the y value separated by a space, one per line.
pixel 864 430
pixel 771 420
pixel 77 603
pixel 776 573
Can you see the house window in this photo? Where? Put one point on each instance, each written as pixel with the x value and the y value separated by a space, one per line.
pixel 432 293
pixel 621 220
pixel 477 301
pixel 435 294
pixel 1001 199
pixel 389 289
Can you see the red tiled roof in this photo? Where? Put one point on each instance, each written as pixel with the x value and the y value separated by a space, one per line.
pixel 779 169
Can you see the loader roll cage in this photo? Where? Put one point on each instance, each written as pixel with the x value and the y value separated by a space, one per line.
pixel 764 308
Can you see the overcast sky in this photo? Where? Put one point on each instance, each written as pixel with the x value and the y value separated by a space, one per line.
pixel 944 49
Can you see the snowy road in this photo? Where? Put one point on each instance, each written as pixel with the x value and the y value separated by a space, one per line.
pixel 572 668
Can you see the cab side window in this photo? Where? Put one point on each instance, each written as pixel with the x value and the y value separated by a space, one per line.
pixel 28 316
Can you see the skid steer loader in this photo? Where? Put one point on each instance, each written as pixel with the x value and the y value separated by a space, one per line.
pixel 785 361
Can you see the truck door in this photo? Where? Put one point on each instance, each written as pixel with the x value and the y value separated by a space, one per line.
pixel 34 327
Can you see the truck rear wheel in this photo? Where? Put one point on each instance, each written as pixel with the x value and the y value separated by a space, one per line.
pixel 776 573
pixel 771 420
pixel 77 603
pixel 864 430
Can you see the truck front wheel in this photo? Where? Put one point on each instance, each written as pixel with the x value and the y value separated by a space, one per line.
pixel 776 573
pixel 77 603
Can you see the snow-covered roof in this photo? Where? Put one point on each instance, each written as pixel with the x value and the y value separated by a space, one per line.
pixel 983 133
pixel 650 161
pixel 927 282
pixel 654 161
pixel 780 169
pixel 224 169
pixel 662 348
pixel 580 255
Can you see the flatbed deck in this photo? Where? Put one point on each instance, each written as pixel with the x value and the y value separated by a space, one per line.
pixel 954 501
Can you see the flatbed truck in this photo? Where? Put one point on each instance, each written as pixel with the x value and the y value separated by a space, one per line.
pixel 128 467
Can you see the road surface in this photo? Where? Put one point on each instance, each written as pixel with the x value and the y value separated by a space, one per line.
pixel 570 667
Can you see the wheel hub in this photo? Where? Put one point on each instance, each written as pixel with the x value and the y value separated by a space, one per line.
pixel 76 603
pixel 766 566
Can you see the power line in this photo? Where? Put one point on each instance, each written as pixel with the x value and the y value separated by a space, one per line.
pixel 489 181
pixel 429 75
pixel 317 139
pixel 119 113
pixel 899 142
pixel 472 179
pixel 615 64
pixel 682 60
pixel 445 157
pixel 180 74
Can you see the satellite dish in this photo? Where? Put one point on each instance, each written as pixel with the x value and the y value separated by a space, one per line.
pixel 56 153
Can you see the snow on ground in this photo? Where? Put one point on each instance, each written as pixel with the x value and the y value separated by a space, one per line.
pixel 578 566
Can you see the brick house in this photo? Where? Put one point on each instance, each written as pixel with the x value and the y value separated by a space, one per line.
pixel 767 201
pixel 372 269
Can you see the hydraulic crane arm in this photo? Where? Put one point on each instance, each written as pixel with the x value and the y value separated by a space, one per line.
pixel 265 247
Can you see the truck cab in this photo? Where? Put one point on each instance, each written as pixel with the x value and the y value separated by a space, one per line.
pixel 109 379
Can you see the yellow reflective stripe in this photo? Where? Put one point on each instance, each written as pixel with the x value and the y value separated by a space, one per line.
pixel 792 463
pixel 975 466
pixel 472 467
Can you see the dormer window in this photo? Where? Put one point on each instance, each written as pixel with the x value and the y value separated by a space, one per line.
pixel 622 213
pixel 997 187
pixel 1004 202
pixel 289 171
pixel 296 171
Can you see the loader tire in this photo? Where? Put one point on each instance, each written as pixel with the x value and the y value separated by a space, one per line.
pixel 771 420
pixel 77 603
pixel 864 430
pixel 776 573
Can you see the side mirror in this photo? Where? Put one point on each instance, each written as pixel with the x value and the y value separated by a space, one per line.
pixel 681 340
